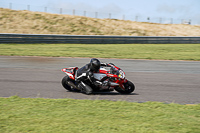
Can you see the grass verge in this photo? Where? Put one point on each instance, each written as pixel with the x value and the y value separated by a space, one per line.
pixel 83 116
pixel 129 51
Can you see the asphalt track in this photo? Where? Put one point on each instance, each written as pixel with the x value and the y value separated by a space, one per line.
pixel 163 81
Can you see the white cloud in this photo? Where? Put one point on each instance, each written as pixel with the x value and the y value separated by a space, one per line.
pixel 173 8
pixel 109 8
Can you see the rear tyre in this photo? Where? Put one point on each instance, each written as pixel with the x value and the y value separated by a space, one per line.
pixel 129 88
pixel 66 86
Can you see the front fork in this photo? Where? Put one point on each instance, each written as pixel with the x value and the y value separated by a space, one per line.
pixel 122 82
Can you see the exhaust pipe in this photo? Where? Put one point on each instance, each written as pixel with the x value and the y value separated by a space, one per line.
pixel 113 84
pixel 72 85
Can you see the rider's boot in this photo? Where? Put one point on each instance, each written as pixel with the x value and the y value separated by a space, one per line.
pixel 85 88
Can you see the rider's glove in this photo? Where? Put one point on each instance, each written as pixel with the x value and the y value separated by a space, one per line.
pixel 103 64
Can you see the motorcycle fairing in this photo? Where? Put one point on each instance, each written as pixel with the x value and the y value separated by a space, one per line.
pixel 70 72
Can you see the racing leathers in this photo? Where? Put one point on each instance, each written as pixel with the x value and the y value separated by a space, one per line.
pixel 84 76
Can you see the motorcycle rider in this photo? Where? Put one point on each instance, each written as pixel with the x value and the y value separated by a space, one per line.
pixel 85 74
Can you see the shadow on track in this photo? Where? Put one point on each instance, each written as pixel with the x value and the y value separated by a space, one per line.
pixel 104 93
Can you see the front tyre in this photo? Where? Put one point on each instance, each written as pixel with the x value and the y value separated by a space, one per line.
pixel 65 85
pixel 129 88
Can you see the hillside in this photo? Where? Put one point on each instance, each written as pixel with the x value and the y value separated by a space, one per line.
pixel 27 22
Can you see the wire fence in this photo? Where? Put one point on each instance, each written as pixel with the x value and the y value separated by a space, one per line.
pixel 94 14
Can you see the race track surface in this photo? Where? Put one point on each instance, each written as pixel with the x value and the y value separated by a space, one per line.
pixel 164 81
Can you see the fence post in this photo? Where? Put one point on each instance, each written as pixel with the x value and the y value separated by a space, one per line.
pixel 171 20
pixel 96 14
pixel 10 6
pixel 85 13
pixel 123 17
pixel 73 11
pixel 160 20
pixel 60 10
pixel 45 9
pixel 136 18
pixel 110 15
pixel 28 7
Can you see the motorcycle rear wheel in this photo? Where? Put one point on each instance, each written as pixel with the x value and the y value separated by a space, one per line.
pixel 129 88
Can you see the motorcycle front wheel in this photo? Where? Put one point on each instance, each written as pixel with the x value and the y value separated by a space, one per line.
pixel 66 86
pixel 129 88
pixel 64 83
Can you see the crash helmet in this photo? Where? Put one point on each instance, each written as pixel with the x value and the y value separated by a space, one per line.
pixel 94 65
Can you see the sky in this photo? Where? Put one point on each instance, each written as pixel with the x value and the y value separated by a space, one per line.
pixel 159 11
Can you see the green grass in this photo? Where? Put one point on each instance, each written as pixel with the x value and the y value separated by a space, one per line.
pixel 95 116
pixel 129 51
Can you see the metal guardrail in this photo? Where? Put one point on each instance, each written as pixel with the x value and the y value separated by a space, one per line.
pixel 94 39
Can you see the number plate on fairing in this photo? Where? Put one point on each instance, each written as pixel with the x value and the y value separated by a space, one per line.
pixel 99 76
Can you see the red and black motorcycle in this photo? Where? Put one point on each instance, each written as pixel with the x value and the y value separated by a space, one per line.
pixel 111 78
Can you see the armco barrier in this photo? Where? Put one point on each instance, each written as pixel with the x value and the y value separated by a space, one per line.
pixel 95 39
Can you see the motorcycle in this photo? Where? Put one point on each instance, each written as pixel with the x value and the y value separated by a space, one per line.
pixel 111 78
